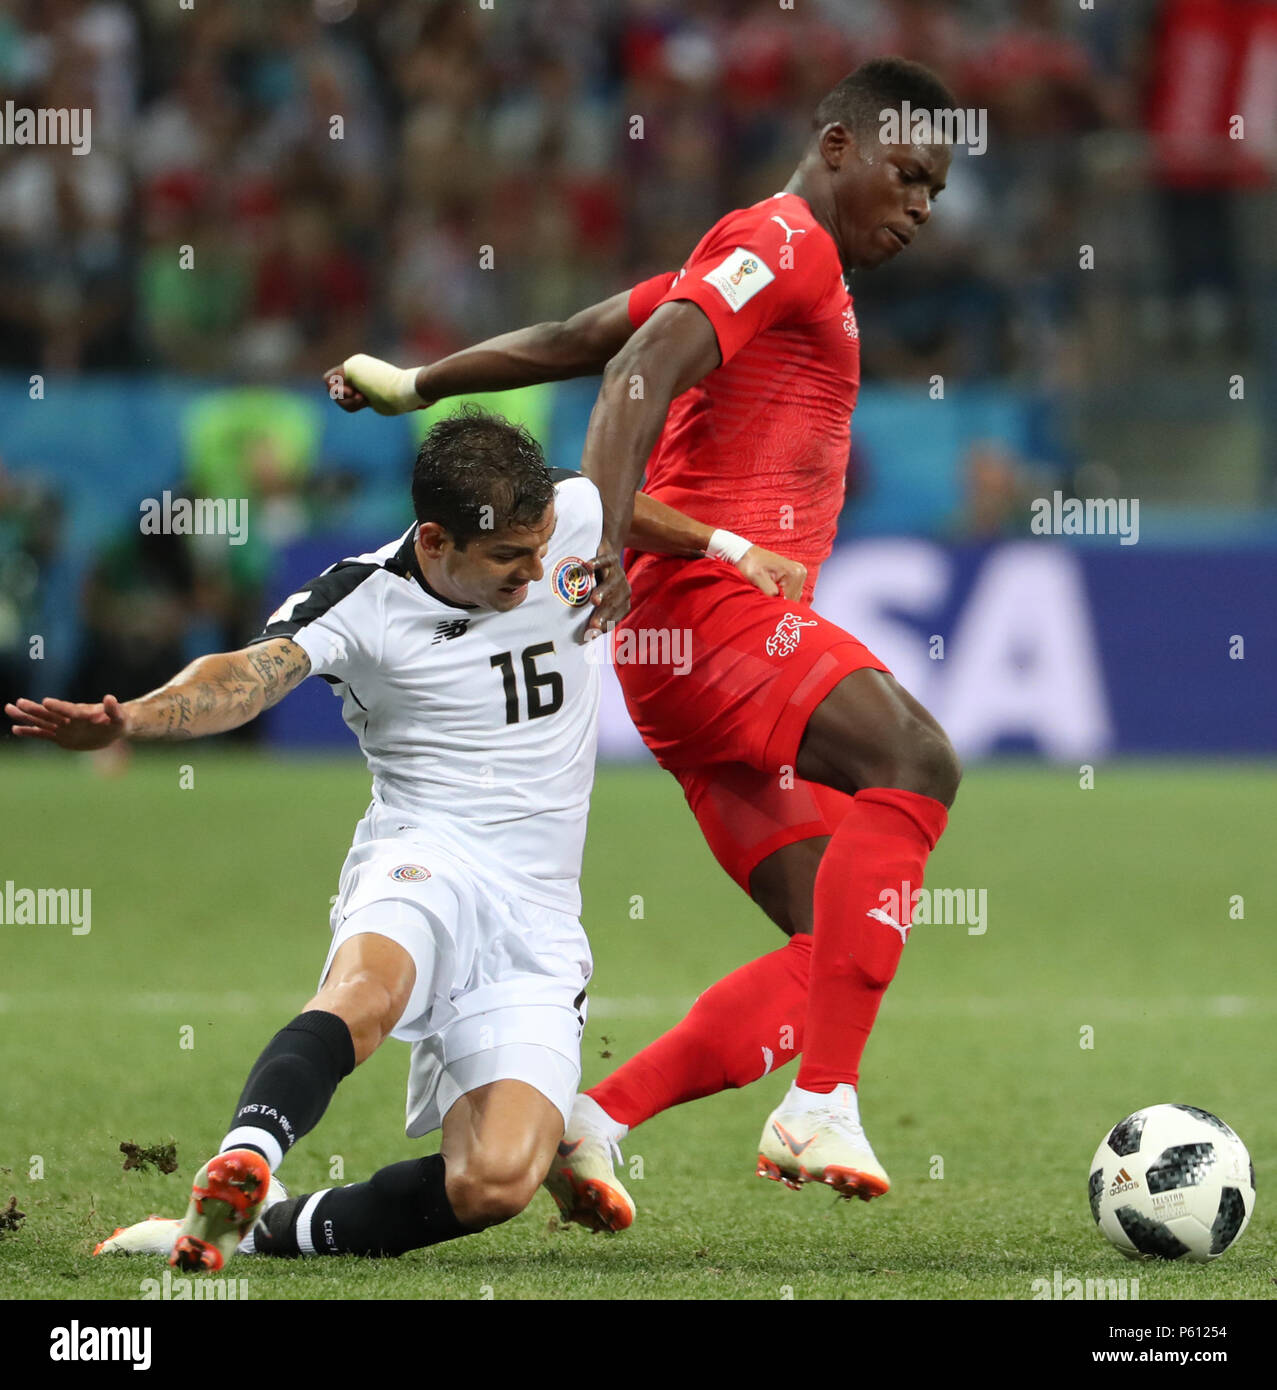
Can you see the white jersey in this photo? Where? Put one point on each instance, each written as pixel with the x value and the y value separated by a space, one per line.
pixel 479 727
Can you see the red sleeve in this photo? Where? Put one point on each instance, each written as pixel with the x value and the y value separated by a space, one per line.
pixel 750 272
pixel 647 294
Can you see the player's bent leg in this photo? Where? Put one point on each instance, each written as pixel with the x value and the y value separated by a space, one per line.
pixel 739 1030
pixel 869 732
pixel 769 835
pixel 868 737
pixel 368 987
pixel 373 981
pixel 498 1142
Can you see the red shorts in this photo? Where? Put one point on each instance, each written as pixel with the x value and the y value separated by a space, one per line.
pixel 725 708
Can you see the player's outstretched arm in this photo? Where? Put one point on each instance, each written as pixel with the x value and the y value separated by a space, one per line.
pixel 212 695
pixel 580 346
pixel 673 350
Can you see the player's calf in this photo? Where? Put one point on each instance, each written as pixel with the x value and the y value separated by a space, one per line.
pixel 403 1207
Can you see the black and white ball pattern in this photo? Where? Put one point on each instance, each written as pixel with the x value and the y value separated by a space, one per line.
pixel 1172 1182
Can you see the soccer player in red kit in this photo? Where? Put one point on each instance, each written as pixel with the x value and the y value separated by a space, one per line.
pixel 820 784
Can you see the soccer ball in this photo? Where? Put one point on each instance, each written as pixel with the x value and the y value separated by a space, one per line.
pixel 1172 1182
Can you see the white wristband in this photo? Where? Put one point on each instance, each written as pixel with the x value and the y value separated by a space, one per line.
pixel 390 390
pixel 726 545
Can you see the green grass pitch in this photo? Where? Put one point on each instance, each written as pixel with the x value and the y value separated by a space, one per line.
pixel 1108 908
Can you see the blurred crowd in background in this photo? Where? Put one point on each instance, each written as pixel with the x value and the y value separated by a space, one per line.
pixel 511 126
pixel 337 167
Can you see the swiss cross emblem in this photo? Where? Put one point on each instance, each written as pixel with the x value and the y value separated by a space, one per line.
pixel 448 629
pixel 788 631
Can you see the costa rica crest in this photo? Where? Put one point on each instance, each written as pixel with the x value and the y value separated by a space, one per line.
pixel 572 581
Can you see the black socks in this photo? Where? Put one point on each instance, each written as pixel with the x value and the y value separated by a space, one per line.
pixel 291 1084
pixel 403 1207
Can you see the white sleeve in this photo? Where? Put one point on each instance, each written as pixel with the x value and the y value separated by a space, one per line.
pixel 335 620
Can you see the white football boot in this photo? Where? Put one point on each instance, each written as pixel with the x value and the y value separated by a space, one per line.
pixel 155 1235
pixel 818 1138
pixel 581 1178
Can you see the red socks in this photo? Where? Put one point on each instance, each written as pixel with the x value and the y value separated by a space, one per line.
pixel 876 857
pixel 752 1022
pixel 746 1025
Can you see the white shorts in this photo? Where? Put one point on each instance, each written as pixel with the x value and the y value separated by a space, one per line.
pixel 500 987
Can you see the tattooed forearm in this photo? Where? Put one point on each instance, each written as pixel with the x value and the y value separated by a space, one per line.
pixel 219 692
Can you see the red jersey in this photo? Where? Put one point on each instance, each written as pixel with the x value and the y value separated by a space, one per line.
pixel 760 445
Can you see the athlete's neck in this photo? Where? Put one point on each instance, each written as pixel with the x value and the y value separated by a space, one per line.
pixel 807 184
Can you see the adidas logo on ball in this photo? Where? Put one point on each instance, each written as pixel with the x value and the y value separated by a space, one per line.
pixel 1122 1182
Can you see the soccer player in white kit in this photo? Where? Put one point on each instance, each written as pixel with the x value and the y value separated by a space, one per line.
pixel 457 652
pixel 456 928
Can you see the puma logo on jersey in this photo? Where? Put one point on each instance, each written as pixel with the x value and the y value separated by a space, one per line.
pixel 788 230
pixel 888 920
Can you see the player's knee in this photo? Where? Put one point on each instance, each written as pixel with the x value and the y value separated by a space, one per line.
pixel 925 763
pixel 940 769
pixel 488 1193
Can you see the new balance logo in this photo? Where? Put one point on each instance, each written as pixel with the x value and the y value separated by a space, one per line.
pixel 1122 1182
pixel 789 1141
pixel 789 231
pixel 888 920
pixel 448 629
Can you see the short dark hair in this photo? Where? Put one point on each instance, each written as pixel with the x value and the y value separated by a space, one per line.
pixel 476 474
pixel 881 84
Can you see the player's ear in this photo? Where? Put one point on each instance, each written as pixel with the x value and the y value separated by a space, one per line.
pixel 431 537
pixel 836 142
